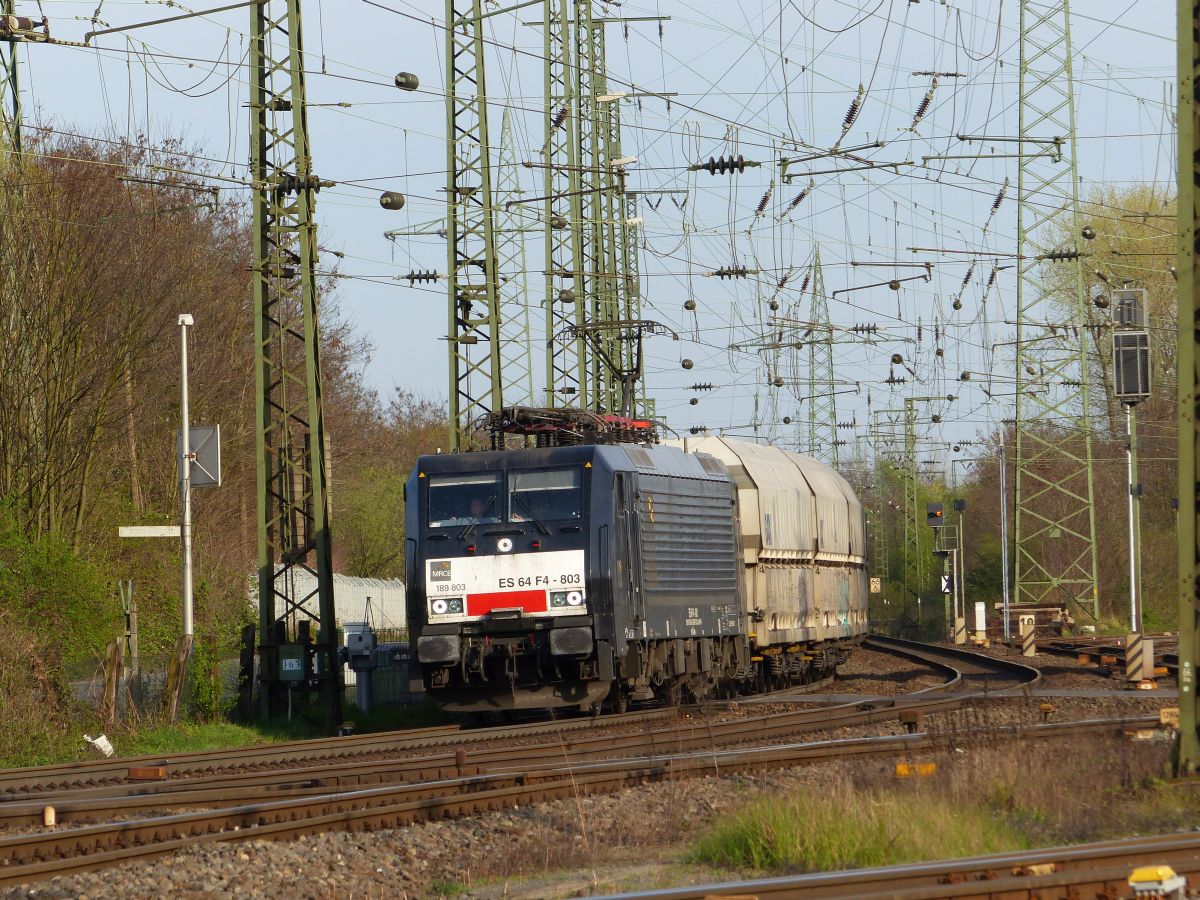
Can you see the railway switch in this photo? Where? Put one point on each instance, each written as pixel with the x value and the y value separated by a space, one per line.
pixel 910 719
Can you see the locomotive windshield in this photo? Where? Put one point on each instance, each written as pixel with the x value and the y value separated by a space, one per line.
pixel 545 496
pixel 464 499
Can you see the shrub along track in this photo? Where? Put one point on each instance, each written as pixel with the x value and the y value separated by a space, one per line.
pixel 281 804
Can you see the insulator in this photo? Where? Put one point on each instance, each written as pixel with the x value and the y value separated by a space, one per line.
pixel 694 401
pixel 1000 196
pixel 1088 232
pixel 407 81
pixel 992 278
pixel 1061 255
pixel 774 305
pixel 897 359
pixel 559 118
pixel 698 429
pixel 894 284
pixel 924 105
pixel 392 200
pixel 967 277
pixel 566 295
pixel 965 376
pixel 731 272
pixel 762 204
pixel 703 386
pixel 424 276
pixel 804 283
pixel 784 280
pixel 721 164
pixel 558 222
pixel 798 199
pixel 937 420
pixel 778 382
pixel 687 363
pixel 689 305
pixel 852 112
pixel 787 420
pixel 957 304
pixel 938 351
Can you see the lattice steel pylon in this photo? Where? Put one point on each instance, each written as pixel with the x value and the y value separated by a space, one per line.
pixel 1055 516
pixel 822 438
pixel 516 338
pixel 471 275
pixel 566 361
pixel 10 87
pixel 293 498
pixel 1188 367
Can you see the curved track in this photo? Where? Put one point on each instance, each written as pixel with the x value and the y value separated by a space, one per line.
pixel 332 793
pixel 1095 870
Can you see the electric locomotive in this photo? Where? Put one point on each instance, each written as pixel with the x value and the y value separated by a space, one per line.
pixel 567 576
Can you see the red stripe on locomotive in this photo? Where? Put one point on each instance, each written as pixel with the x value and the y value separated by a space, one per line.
pixel 527 601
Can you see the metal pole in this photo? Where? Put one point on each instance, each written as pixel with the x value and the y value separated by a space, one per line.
pixel 1004 532
pixel 185 475
pixel 1134 616
pixel 962 563
pixel 1188 62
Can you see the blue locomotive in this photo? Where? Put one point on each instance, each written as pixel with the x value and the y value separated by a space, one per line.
pixel 570 576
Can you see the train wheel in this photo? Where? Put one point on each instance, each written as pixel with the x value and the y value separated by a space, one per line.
pixel 618 700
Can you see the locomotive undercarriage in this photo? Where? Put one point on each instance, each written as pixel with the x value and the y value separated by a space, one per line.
pixel 524 670
pixel 529 670
pixel 693 669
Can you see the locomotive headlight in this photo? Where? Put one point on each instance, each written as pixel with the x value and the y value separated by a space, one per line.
pixel 574 598
pixel 444 606
pixel 561 599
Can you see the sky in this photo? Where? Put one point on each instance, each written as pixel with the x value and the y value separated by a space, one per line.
pixel 759 78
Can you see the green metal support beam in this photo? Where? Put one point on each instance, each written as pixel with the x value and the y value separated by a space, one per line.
pixel 566 360
pixel 1188 367
pixel 293 499
pixel 473 290
pixel 822 440
pixel 1055 517
pixel 10 87
pixel 516 338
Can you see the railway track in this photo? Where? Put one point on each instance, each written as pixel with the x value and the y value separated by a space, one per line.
pixel 1096 649
pixel 1086 871
pixel 336 751
pixel 31 857
pixel 362 794
pixel 397 757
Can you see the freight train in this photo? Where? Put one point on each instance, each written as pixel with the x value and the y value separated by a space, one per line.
pixel 586 572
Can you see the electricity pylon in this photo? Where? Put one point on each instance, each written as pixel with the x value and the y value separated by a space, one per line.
pixel 566 360
pixel 516 347
pixel 1055 517
pixel 1187 359
pixel 10 88
pixel 473 291
pixel 293 497
pixel 822 405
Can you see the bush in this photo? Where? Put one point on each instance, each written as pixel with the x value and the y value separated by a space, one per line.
pixel 842 829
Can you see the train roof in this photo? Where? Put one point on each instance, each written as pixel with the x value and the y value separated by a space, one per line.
pixel 656 459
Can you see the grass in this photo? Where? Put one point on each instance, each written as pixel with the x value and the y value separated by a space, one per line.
pixel 153 737
pixel 843 828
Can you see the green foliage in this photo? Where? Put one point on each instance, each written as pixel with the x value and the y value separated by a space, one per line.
pixel 841 829
pixel 46 589
pixel 205 685
pixel 372 524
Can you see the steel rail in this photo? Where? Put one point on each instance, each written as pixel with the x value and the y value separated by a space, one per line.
pixel 23 781
pixel 96 804
pixel 30 857
pixel 1102 868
